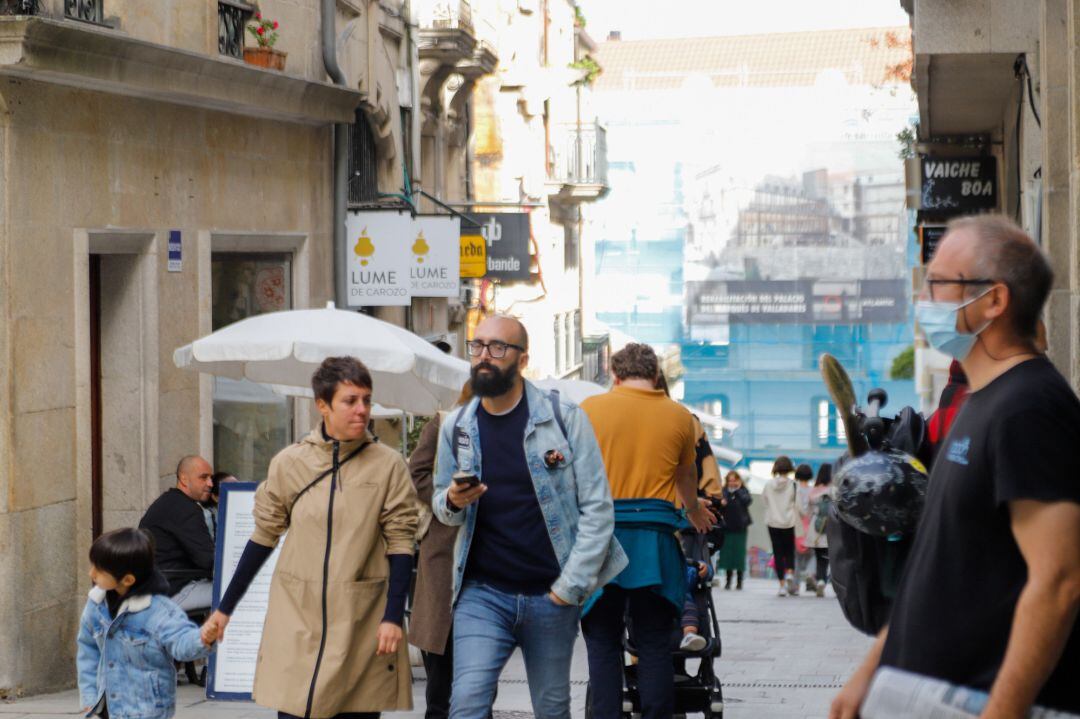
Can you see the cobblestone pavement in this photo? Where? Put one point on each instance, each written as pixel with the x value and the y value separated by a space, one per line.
pixel 783 657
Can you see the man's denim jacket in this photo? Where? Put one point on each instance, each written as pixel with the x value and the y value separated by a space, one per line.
pixel 574 495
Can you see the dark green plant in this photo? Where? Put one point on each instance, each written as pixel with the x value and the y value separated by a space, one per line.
pixel 907 139
pixel 903 365
pixel 413 437
pixel 579 17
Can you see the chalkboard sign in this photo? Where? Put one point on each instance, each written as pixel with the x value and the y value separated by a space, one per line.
pixel 929 238
pixel 232 665
pixel 958 185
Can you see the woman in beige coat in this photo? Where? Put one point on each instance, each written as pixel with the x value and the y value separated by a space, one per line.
pixel 332 643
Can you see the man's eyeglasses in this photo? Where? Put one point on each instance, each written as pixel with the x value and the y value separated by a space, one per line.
pixel 495 348
pixel 931 283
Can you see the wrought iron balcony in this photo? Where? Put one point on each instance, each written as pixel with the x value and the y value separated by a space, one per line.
pixel 446 30
pixel 87 10
pixel 580 163
pixel 19 7
pixel 232 17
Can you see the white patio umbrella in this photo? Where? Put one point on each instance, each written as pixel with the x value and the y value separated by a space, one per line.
pixel 575 390
pixel 285 348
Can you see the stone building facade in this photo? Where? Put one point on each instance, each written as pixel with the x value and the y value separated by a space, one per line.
pixel 1000 77
pixel 155 186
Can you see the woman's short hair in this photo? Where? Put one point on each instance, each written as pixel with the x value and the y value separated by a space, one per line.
pixel 339 370
pixel 804 472
pixel 124 551
pixel 824 475
pixel 635 361
pixel 783 465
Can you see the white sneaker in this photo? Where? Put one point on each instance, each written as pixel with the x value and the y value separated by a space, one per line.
pixel 821 589
pixel 692 643
pixel 792 585
pixel 782 592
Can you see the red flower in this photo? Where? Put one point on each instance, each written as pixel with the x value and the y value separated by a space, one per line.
pixel 260 30
pixel 275 24
pixel 258 16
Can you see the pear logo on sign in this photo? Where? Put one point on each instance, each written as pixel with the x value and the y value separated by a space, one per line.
pixel 364 247
pixel 420 248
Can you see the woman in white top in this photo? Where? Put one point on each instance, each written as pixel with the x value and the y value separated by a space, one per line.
pixel 780 517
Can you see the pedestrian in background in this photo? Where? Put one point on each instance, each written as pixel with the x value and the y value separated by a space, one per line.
pixel 647 442
pixel 780 518
pixel 818 501
pixel 736 500
pixel 431 620
pixel 804 554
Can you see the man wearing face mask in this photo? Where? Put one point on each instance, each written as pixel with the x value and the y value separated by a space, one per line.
pixel 990 593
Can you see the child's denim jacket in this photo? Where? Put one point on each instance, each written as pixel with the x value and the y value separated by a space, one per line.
pixel 126 663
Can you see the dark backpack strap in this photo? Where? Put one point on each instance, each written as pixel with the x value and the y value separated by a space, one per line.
pixel 556 409
pixel 324 475
pixel 454 433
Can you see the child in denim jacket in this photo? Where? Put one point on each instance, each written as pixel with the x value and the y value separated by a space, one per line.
pixel 130 634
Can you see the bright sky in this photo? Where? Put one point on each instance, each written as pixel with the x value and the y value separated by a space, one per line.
pixel 645 19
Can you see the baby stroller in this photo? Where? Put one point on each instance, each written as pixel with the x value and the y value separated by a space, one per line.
pixel 699 691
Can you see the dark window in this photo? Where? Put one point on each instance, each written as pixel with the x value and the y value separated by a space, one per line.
pixel 88 10
pixel 232 16
pixel 363 168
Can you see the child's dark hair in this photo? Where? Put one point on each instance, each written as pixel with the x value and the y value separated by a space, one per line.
pixel 124 551
pixel 804 472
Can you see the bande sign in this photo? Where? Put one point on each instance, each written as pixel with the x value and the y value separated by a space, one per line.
pixel 958 184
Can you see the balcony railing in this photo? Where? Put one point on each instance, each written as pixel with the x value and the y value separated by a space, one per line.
pixel 581 155
pixel 445 15
pixel 232 16
pixel 19 7
pixel 87 10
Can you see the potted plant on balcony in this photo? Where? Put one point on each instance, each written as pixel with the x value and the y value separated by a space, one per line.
pixel 264 54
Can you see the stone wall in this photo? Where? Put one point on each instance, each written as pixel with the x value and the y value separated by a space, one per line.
pixel 89 173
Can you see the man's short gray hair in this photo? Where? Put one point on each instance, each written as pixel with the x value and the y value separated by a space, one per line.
pixel 1007 254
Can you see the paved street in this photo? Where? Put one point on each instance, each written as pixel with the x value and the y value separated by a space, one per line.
pixel 783 657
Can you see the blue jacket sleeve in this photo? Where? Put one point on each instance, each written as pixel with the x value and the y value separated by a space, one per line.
pixel 179 635
pixel 596 524
pixel 87 658
pixel 445 466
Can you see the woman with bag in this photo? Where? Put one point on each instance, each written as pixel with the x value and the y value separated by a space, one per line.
pixel 332 643
pixel 736 502
pixel 819 500
pixel 780 517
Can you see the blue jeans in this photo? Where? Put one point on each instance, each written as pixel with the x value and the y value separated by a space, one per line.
pixel 654 623
pixel 488 624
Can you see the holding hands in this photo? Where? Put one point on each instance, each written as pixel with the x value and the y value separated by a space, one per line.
pixel 214 628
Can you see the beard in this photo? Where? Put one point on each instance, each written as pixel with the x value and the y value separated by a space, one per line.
pixel 495 382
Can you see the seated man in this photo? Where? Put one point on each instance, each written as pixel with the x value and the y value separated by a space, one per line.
pixel 183 548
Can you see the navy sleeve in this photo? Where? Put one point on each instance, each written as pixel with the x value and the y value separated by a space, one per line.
pixel 251 561
pixel 398 587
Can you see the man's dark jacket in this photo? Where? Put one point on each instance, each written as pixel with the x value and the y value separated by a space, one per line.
pixel 183 549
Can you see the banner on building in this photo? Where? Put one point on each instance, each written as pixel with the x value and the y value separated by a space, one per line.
pixel 506 241
pixel 473 254
pixel 434 264
pixel 796 302
pixel 379 248
pixel 958 185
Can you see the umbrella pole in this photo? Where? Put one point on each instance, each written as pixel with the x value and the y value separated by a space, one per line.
pixel 405 435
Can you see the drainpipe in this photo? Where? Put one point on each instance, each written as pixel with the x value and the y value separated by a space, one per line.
pixel 416 121
pixel 341 155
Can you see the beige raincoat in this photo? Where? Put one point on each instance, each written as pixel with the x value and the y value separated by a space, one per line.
pixel 374 514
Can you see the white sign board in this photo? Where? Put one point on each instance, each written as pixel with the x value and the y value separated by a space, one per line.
pixel 232 665
pixel 379 256
pixel 435 261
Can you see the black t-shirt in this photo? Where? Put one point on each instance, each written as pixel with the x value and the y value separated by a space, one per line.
pixel 1017 438
pixel 510 548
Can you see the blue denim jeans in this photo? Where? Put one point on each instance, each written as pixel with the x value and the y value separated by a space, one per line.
pixel 488 624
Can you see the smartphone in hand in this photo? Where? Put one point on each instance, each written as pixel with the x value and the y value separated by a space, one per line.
pixel 465 479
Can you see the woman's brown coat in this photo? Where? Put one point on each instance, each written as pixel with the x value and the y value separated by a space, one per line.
pixel 429 625
pixel 374 514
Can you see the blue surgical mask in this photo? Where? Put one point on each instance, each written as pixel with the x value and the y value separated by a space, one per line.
pixel 938 320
